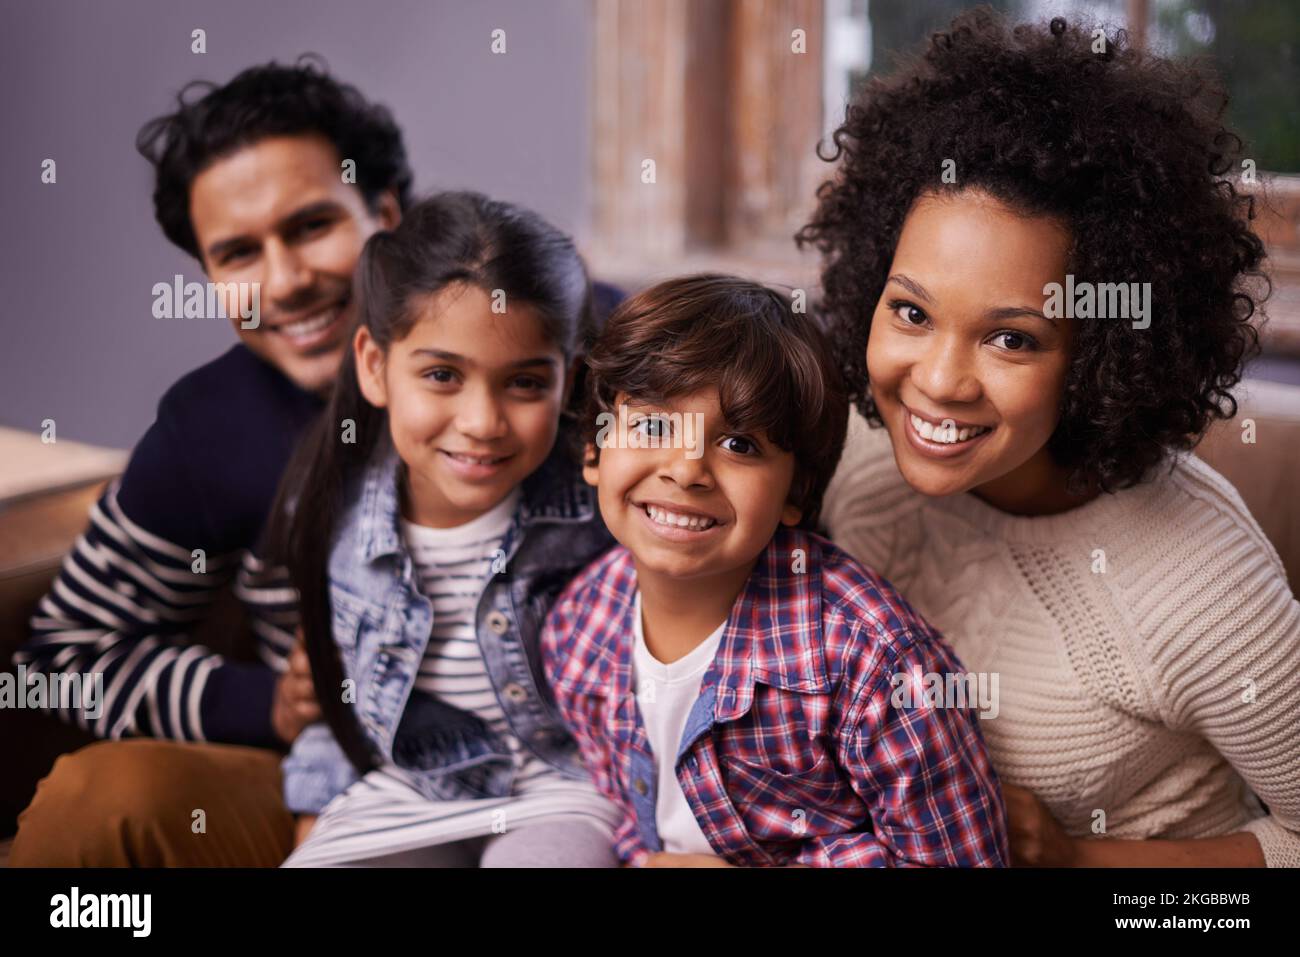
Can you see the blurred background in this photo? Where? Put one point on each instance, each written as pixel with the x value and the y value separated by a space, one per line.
pixel 729 98
pixel 587 90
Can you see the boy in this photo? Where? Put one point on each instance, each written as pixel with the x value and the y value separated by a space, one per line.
pixel 730 676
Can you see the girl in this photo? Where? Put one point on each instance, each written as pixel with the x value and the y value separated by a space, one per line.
pixel 427 523
pixel 1027 483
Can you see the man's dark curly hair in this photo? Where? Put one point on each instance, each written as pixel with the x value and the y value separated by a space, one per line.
pixel 264 101
pixel 1127 150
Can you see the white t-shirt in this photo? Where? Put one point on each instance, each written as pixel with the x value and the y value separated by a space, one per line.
pixel 665 694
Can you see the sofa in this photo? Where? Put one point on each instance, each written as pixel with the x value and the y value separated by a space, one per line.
pixel 46 494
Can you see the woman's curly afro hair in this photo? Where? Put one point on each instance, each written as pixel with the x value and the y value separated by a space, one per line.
pixel 1123 147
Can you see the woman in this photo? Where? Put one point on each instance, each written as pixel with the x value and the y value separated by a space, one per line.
pixel 1025 477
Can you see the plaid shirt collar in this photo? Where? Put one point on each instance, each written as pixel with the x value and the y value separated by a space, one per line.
pixel 772 634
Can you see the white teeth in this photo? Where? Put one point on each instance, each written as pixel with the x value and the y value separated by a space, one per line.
pixel 946 436
pixel 311 324
pixel 471 460
pixel 663 517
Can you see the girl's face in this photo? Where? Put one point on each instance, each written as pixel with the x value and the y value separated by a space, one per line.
pixel 473 400
pixel 960 350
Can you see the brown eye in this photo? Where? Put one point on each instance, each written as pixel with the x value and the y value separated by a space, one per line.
pixel 312 227
pixel 658 426
pixel 911 314
pixel 1015 341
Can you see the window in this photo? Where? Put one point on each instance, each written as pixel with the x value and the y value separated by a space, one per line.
pixel 707 114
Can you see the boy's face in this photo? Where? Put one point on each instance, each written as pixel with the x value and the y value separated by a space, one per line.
pixel 278 213
pixel 732 488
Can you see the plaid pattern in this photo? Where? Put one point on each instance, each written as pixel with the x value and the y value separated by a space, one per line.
pixel 794 752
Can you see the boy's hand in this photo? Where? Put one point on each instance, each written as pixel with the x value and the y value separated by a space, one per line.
pixel 664 859
pixel 302 827
pixel 1037 840
pixel 294 705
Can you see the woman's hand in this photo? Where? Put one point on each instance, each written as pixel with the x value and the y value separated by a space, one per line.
pixel 1037 840
pixel 664 859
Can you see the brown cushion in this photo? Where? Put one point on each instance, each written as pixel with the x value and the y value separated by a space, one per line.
pixel 36 532
pixel 1266 472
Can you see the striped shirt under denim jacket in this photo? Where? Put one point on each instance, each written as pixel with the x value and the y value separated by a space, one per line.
pixel 382 625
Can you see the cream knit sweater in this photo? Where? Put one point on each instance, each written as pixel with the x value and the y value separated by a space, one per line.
pixel 1160 691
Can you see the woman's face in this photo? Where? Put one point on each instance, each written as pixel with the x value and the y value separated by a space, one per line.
pixel 965 369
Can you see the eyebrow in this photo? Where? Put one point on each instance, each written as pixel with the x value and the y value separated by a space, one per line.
pixel 463 360
pixel 993 315
pixel 728 428
pixel 322 207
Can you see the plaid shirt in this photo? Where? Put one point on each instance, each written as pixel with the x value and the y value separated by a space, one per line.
pixel 794 751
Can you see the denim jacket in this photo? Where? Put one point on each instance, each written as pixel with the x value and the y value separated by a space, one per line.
pixel 382 625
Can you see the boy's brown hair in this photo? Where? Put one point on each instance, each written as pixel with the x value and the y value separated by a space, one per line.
pixel 771 365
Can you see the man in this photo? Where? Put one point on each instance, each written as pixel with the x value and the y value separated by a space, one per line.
pixel 276 178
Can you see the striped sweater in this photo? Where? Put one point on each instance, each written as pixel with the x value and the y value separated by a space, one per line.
pixel 163 541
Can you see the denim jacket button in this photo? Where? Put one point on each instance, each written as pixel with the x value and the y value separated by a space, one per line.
pixel 515 692
pixel 641 787
pixel 498 622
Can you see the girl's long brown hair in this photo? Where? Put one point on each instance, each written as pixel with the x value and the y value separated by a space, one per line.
pixel 456 237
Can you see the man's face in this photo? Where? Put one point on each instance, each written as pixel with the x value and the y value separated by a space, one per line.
pixel 278 213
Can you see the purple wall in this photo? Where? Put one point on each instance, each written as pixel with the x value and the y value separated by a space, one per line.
pixel 79 77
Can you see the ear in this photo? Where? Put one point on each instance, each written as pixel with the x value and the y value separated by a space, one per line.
pixel 388 212
pixel 370 368
pixel 791 514
pixel 590 466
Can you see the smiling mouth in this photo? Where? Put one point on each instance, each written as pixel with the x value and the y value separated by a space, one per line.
pixel 310 326
pixel 670 519
pixel 946 435
pixel 475 459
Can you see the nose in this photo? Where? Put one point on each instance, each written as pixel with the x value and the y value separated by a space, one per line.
pixel 945 372
pixel 286 275
pixel 678 467
pixel 478 415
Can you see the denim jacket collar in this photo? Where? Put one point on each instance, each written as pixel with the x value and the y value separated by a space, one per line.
pixel 548 495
